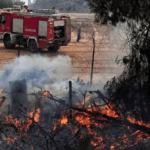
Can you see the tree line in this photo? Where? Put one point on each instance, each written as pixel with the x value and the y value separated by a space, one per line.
pixel 9 3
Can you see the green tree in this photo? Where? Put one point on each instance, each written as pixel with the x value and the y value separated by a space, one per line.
pixel 132 89
pixel 115 11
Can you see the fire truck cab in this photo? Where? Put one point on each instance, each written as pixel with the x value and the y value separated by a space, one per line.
pixel 34 30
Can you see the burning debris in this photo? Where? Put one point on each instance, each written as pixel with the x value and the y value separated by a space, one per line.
pixel 47 94
pixel 63 120
pixel 91 122
pixel 91 126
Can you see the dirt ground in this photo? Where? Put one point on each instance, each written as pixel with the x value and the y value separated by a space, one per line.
pixel 81 52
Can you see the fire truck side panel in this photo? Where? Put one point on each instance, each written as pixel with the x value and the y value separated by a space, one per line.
pixel 42 29
pixel 17 26
pixel 50 33
pixel 8 24
pixel 65 32
pixel 59 23
pixel 30 26
pixel 59 29
pixel 68 29
pixel 42 43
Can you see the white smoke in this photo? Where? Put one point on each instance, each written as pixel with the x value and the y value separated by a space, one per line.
pixel 44 73
pixel 38 71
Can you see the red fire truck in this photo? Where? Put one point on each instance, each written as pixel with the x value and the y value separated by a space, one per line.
pixel 34 30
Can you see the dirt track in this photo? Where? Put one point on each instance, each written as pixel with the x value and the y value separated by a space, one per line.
pixel 80 53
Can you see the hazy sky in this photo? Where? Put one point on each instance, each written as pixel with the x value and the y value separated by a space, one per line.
pixel 26 1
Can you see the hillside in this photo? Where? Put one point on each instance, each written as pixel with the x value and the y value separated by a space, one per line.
pixel 78 6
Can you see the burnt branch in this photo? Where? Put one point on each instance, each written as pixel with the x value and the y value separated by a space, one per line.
pixel 44 133
pixel 114 120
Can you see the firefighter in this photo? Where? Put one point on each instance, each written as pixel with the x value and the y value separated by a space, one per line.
pixel 25 9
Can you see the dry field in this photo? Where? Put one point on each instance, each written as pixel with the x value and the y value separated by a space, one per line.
pixel 106 50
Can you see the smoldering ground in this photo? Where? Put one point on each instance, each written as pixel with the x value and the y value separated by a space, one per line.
pixel 40 72
pixel 43 73
pixel 46 74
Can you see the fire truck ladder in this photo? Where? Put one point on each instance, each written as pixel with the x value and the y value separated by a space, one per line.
pixel 34 14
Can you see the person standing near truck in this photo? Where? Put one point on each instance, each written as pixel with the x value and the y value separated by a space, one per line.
pixel 25 9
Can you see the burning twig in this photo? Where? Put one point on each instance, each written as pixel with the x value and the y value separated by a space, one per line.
pixel 115 120
pixel 109 118
pixel 87 121
pixel 44 132
pixel 108 103
pixel 47 94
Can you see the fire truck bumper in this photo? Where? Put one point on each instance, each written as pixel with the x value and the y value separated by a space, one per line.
pixel 60 42
pixel 49 43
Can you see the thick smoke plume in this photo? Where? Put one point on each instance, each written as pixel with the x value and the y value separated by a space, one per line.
pixel 38 71
pixel 43 73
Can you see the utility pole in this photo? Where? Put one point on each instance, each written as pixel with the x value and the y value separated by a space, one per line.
pixel 70 97
pixel 79 34
pixel 92 61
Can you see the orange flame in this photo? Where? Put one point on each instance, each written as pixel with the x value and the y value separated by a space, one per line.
pixel 139 122
pixel 112 147
pixel 9 140
pixel 85 119
pixel 82 120
pixel 46 93
pixel 20 125
pixel 63 120
pixel 110 112
pixel 54 128
pixel 37 115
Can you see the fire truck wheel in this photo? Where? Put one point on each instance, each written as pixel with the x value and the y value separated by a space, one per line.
pixel 53 48
pixel 7 43
pixel 33 46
